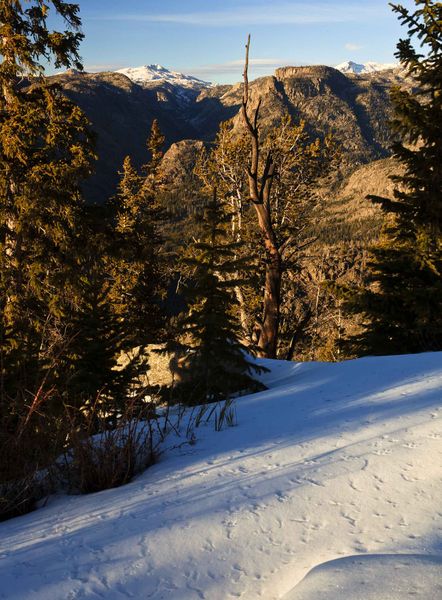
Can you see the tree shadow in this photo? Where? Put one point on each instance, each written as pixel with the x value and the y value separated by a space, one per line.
pixel 293 440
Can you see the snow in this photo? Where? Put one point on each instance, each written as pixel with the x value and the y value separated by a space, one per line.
pixel 332 462
pixel 364 577
pixel 362 69
pixel 147 74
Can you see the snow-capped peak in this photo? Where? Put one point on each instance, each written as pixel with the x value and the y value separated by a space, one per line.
pixel 361 69
pixel 147 74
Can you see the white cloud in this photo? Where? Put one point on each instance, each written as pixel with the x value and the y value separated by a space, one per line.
pixel 353 47
pixel 278 13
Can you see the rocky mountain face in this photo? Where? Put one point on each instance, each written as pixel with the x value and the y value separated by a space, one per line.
pixel 121 113
pixel 355 108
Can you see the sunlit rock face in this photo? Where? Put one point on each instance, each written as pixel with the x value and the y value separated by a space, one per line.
pixel 122 105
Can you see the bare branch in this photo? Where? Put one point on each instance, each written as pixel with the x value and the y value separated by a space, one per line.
pixel 266 180
pixel 256 117
pixel 246 75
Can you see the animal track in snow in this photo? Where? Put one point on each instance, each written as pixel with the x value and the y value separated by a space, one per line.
pixel 348 518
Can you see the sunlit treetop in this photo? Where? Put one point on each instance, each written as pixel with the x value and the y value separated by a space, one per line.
pixel 27 39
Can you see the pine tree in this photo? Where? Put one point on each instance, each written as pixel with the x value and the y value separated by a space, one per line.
pixel 98 371
pixel 118 312
pixel 216 365
pixel 155 145
pixel 94 370
pixel 27 40
pixel 403 305
pixel 134 264
pixel 46 151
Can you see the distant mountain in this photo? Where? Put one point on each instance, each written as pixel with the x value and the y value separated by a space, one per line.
pixel 154 74
pixel 365 68
pixel 356 109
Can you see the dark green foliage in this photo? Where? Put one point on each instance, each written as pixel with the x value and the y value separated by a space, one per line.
pixel 118 313
pixel 45 153
pixel 76 283
pixel 134 261
pixel 403 304
pixel 214 361
pixel 98 339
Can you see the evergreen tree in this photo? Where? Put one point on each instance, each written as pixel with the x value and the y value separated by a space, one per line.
pixel 96 370
pixel 45 154
pixel 403 304
pixel 155 145
pixel 215 365
pixel 134 263
pixel 118 313
pixel 27 40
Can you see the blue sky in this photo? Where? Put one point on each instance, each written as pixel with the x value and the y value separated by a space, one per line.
pixel 206 38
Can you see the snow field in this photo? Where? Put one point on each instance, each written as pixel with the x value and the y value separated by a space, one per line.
pixel 334 460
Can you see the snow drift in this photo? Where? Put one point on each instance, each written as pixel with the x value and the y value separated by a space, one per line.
pixel 332 461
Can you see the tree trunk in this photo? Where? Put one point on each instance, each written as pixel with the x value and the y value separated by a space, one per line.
pixel 260 187
pixel 268 339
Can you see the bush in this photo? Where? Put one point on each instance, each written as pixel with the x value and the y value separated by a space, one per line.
pixel 84 450
pixel 18 497
pixel 25 458
pixel 104 453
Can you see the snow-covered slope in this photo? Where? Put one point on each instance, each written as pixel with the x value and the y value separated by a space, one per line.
pixel 334 460
pixel 362 69
pixel 364 577
pixel 147 74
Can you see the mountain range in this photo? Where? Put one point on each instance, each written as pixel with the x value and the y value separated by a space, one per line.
pixel 122 106
pixel 147 75
pixel 152 74
pixel 365 68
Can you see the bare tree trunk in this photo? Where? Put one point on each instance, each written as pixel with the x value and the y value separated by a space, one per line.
pixel 242 311
pixel 260 194
pixel 268 340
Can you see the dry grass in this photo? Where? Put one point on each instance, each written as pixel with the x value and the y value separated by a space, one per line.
pixel 25 455
pixel 100 454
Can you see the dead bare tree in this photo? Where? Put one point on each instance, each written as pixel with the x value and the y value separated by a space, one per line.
pixel 260 189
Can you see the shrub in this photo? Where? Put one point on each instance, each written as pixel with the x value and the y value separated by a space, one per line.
pixel 103 453
pixel 30 439
pixel 18 497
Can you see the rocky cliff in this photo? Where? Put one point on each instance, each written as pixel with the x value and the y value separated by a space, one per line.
pixel 356 108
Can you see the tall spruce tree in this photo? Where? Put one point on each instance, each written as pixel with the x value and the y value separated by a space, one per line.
pixel 215 363
pixel 95 371
pixel 119 309
pixel 46 151
pixel 403 302
pixel 134 262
